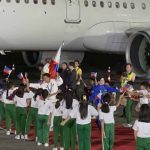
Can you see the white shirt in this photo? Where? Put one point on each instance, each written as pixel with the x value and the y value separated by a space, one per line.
pixel 4 97
pixel 143 100
pixel 33 101
pixel 44 107
pixel 65 111
pixel 59 81
pixel 108 117
pixel 76 114
pixel 52 87
pixel 56 112
pixel 22 102
pixel 142 128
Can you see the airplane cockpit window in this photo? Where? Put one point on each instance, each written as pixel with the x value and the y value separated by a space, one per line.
pixel 86 3
pixel 44 2
pixel 117 5
pixel 17 1
pixel 94 3
pixel 125 5
pixel 35 1
pixel 26 1
pixel 110 4
pixel 101 3
pixel 53 2
pixel 8 1
pixel 132 5
pixel 143 6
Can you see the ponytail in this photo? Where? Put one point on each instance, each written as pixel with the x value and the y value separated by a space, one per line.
pixel 105 105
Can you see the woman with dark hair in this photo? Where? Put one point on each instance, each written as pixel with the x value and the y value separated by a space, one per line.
pixel 21 97
pixel 83 114
pixel 69 130
pixel 106 115
pixel 10 114
pixel 141 128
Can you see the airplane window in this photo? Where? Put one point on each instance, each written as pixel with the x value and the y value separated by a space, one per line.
pixel 94 3
pixel 8 1
pixel 125 5
pixel 44 2
pixel 35 1
pixel 53 2
pixel 132 5
pixel 109 4
pixel 143 6
pixel 117 4
pixel 17 1
pixel 102 4
pixel 26 1
pixel 86 3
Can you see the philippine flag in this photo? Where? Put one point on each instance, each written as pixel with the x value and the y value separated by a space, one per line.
pixel 20 76
pixel 7 70
pixel 54 63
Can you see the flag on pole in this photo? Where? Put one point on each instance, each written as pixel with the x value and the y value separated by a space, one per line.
pixel 54 63
pixel 20 76
pixel 7 70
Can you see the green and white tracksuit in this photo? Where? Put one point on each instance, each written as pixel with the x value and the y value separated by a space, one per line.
pixel 109 124
pixel 32 116
pixel 57 128
pixel 21 112
pixel 143 135
pixel 84 127
pixel 42 120
pixel 69 129
pixel 10 110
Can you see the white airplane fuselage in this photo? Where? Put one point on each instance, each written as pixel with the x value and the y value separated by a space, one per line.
pixel 43 27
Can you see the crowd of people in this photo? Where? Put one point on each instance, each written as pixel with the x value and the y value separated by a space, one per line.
pixel 66 105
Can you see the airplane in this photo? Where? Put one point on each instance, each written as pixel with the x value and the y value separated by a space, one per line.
pixel 36 28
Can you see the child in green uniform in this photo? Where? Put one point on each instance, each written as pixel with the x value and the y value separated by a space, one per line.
pixel 69 129
pixel 83 114
pixel 141 128
pixel 20 98
pixel 32 114
pixel 10 110
pixel 106 115
pixel 44 106
pixel 57 128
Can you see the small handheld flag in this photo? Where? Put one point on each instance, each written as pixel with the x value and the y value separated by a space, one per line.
pixel 7 70
pixel 20 76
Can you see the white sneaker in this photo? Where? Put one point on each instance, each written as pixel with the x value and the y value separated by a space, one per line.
pixel 46 145
pixel 17 137
pixel 22 137
pixel 55 148
pixel 61 148
pixel 127 125
pixel 15 132
pixel 39 144
pixel 26 137
pixel 8 133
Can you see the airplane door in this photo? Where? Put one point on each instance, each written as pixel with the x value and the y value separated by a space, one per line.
pixel 72 11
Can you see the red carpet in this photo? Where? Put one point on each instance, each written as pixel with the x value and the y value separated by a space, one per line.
pixel 124 138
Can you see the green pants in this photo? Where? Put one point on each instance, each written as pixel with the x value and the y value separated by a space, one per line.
pixel 69 135
pixel 10 115
pixel 42 129
pixel 84 136
pixel 57 130
pixel 109 133
pixel 2 112
pixel 21 114
pixel 142 143
pixel 31 118
pixel 128 110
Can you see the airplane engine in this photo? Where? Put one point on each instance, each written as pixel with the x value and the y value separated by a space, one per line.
pixel 138 53
pixel 33 58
